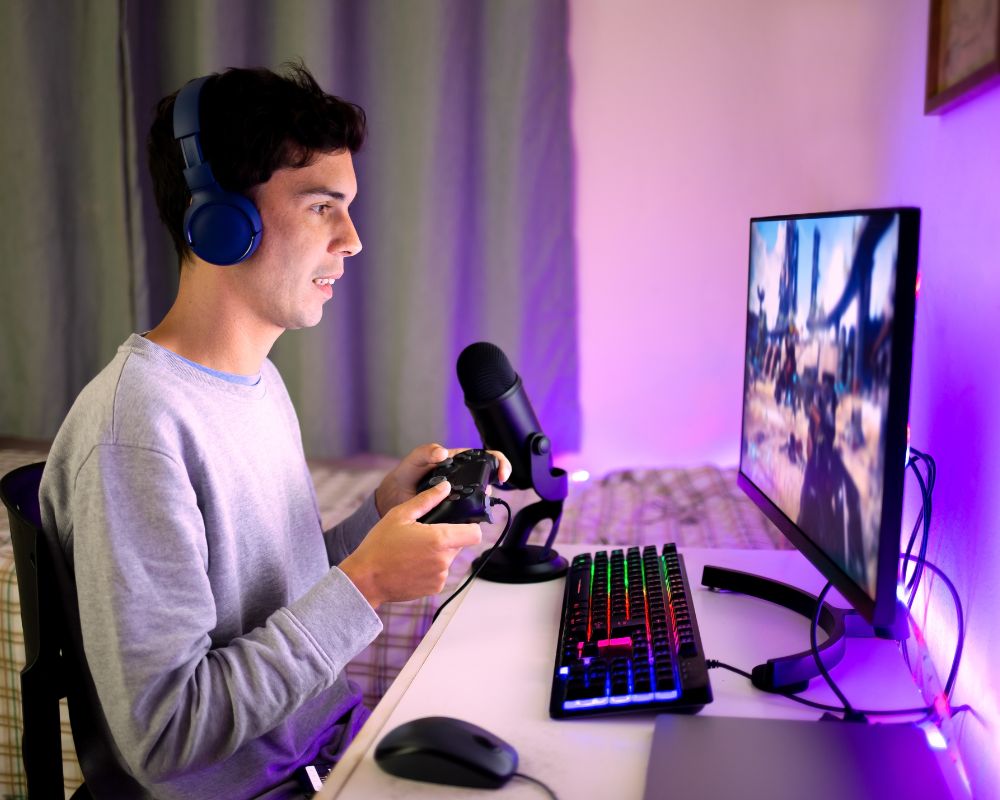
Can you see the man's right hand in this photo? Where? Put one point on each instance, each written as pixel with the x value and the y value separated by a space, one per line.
pixel 402 559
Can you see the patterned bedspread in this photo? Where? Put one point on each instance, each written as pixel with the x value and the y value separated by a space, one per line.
pixel 695 507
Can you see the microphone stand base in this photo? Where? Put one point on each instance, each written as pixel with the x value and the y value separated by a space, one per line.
pixel 530 563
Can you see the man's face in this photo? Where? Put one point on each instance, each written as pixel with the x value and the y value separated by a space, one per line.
pixel 307 234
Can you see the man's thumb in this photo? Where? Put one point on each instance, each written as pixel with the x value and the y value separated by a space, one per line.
pixel 420 504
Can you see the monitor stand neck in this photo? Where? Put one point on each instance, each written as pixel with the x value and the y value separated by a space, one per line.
pixel 792 673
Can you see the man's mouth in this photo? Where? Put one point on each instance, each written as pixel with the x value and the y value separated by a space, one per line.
pixel 324 281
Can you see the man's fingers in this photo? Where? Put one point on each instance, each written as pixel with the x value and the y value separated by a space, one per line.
pixel 464 535
pixel 437 453
pixel 504 469
pixel 427 455
pixel 420 504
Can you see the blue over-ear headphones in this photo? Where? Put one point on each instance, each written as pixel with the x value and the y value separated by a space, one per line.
pixel 222 227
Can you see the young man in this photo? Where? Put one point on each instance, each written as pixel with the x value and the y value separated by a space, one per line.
pixel 216 614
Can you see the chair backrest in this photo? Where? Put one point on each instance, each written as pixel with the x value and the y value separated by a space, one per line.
pixel 54 663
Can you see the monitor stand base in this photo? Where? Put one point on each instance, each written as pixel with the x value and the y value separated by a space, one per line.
pixel 792 673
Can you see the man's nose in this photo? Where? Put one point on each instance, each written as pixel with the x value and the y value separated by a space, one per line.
pixel 348 243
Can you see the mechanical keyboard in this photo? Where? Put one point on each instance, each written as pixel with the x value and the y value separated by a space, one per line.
pixel 628 640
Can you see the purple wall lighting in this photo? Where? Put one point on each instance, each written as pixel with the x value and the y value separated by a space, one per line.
pixel 950 166
pixel 821 107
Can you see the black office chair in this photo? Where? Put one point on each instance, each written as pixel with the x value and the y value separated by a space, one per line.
pixel 54 665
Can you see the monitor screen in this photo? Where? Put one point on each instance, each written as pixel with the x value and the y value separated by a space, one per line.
pixel 826 390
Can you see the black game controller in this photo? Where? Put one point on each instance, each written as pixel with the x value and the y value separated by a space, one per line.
pixel 469 473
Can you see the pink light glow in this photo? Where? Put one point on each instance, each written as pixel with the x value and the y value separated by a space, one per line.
pixel 810 107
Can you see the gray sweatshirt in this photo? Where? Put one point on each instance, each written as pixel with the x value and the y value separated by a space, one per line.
pixel 213 621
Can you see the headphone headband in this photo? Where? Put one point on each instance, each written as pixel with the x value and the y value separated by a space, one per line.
pixel 186 117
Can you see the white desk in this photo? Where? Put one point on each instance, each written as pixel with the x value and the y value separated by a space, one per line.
pixel 489 659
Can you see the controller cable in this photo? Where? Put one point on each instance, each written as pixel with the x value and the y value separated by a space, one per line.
pixel 494 501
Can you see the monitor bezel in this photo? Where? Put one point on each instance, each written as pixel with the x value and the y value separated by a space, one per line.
pixel 882 610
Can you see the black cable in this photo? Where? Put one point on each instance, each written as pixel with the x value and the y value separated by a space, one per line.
pixel 960 615
pixel 911 464
pixel 486 557
pixel 925 515
pixel 931 466
pixel 848 710
pixel 959 644
pixel 923 521
pixel 931 478
pixel 926 492
pixel 714 664
pixel 918 523
pixel 538 782
pixel 949 683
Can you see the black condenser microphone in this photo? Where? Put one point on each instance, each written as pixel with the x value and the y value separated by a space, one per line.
pixel 507 422
pixel 501 409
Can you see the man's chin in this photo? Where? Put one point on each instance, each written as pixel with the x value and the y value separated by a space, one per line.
pixel 299 323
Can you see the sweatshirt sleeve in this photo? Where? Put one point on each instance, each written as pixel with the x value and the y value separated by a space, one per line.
pixel 174 700
pixel 345 536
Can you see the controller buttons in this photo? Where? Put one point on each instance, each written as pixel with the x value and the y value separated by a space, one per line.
pixel 436 480
pixel 446 463
pixel 454 496
pixel 467 490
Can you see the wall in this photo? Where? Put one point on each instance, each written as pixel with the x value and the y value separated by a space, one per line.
pixel 949 165
pixel 690 118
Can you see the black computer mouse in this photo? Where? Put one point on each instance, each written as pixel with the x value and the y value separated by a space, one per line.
pixel 447 750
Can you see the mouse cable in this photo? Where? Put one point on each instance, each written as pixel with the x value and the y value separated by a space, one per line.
pixel 486 557
pixel 547 789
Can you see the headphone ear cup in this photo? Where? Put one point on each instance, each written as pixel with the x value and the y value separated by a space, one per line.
pixel 223 228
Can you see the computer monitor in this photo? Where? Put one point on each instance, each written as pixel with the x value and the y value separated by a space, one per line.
pixel 829 338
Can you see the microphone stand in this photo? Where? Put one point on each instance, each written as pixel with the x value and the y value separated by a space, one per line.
pixel 516 561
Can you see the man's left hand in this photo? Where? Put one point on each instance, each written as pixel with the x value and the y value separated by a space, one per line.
pixel 401 484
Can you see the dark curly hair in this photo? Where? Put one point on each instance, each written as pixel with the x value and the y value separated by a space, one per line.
pixel 253 122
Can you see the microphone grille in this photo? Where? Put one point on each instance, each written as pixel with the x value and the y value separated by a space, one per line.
pixel 484 372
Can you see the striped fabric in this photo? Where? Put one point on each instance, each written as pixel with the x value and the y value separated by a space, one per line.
pixel 695 507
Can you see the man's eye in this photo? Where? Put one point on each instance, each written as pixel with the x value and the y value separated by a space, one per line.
pixel 320 208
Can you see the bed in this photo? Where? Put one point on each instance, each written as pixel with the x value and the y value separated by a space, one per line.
pixel 694 506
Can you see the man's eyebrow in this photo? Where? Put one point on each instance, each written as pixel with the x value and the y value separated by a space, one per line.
pixel 321 190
